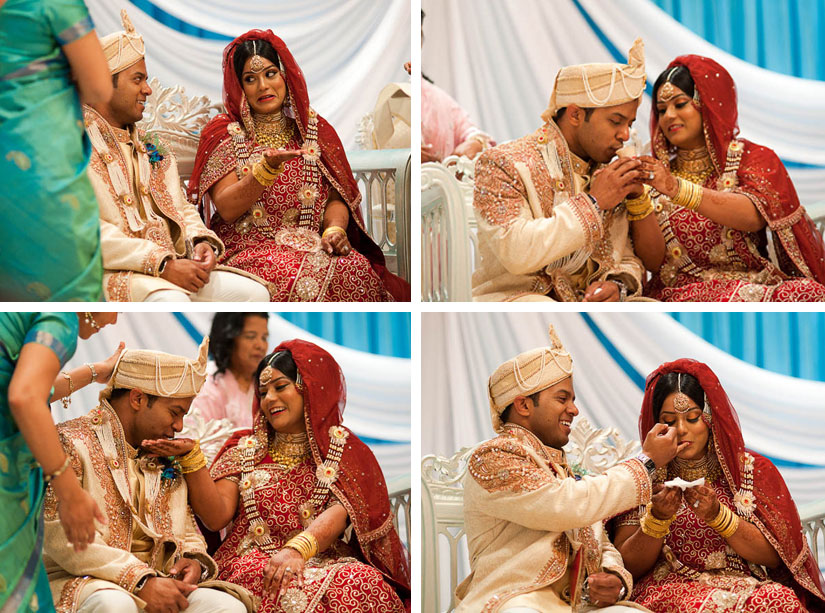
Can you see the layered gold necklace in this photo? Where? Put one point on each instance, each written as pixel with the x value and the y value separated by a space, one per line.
pixel 273 130
pixel 289 450
pixel 707 466
pixel 694 165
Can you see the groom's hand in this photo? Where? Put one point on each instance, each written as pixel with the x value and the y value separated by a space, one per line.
pixel 604 589
pixel 660 444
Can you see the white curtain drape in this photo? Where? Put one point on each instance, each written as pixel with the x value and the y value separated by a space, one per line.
pixel 499 60
pixel 781 416
pixel 348 49
pixel 378 387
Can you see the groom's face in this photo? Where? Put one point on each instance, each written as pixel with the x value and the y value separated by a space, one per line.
pixel 606 131
pixel 553 411
pixel 129 98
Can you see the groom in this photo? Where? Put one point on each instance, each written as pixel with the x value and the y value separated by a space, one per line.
pixel 535 534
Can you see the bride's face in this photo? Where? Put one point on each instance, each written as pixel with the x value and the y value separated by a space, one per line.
pixel 690 427
pixel 282 404
pixel 265 89
pixel 679 119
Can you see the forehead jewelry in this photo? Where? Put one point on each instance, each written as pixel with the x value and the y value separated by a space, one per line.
pixel 681 402
pixel 667 92
pixel 257 63
pixel 266 375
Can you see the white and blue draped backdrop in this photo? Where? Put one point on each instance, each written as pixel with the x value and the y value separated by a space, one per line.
pixel 348 49
pixel 770 364
pixel 499 60
pixel 373 350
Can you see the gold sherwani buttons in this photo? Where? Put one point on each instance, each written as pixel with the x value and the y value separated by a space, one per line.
pixel 114 463
pixel 108 157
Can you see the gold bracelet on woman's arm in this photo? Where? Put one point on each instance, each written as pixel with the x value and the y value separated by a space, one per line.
pixel 304 543
pixel 689 195
pixel 333 230
pixel 726 522
pixel 192 461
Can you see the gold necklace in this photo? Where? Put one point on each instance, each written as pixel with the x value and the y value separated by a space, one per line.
pixel 693 160
pixel 289 450
pixel 707 466
pixel 273 130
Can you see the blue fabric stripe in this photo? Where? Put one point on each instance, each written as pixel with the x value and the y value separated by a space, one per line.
pixel 633 374
pixel 190 328
pixel 78 30
pixel 48 340
pixel 170 21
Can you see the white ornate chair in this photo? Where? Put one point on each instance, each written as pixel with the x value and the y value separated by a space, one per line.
pixel 445 242
pixel 590 451
pixel 813 525
pixel 179 119
pixel 463 169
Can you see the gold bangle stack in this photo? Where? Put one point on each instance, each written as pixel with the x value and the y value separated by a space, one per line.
pixel 192 461
pixel 333 230
pixel 49 478
pixel 639 208
pixel 725 523
pixel 304 543
pixel 265 174
pixel 653 526
pixel 689 195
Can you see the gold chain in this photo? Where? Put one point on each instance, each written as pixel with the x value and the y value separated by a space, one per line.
pixel 274 130
pixel 289 450
pixel 707 466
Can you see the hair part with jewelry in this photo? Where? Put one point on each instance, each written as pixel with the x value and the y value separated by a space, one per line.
pixel 676 382
pixel 280 360
pixel 252 48
pixel 678 76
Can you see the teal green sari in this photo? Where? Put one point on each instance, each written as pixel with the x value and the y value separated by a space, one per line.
pixel 24 586
pixel 49 219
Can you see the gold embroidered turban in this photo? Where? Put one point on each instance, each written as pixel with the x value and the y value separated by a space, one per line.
pixel 125 48
pixel 158 373
pixel 599 85
pixel 527 373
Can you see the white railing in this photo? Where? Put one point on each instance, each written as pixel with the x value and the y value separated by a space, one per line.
pixel 384 180
pixel 813 525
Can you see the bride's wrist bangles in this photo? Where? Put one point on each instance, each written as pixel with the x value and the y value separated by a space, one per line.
pixel 689 195
pixel 725 523
pixel 639 208
pixel 653 526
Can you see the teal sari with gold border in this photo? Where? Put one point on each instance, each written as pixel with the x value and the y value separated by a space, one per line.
pixel 49 219
pixel 24 585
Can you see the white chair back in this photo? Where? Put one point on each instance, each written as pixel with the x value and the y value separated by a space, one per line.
pixel 445 243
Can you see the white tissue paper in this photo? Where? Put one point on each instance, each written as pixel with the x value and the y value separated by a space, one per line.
pixel 682 484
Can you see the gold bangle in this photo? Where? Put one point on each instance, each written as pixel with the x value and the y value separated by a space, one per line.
pixel 689 195
pixel 192 461
pixel 49 478
pixel 726 522
pixel 94 371
pixel 653 526
pixel 272 171
pixel 261 175
pixel 304 543
pixel 333 230
pixel 67 400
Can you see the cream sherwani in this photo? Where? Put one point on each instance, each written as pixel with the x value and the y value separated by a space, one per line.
pixel 148 220
pixel 150 524
pixel 540 236
pixel 534 532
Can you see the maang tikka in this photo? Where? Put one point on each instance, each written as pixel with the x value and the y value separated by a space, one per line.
pixel 681 402
pixel 257 63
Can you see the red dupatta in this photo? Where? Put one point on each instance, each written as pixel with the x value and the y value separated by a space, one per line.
pixel 360 484
pixel 775 515
pixel 333 162
pixel 759 173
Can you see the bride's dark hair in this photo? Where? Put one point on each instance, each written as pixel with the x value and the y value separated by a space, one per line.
pixel 247 49
pixel 669 383
pixel 679 76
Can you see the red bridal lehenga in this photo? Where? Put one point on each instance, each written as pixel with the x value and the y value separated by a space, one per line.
pixel 366 569
pixel 279 237
pixel 697 572
pixel 705 261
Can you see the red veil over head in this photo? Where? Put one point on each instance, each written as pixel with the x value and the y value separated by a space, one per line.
pixel 776 515
pixel 333 162
pixel 360 484
pixel 761 174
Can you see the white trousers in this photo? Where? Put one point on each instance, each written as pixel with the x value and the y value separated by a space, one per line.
pixel 223 286
pixel 202 600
